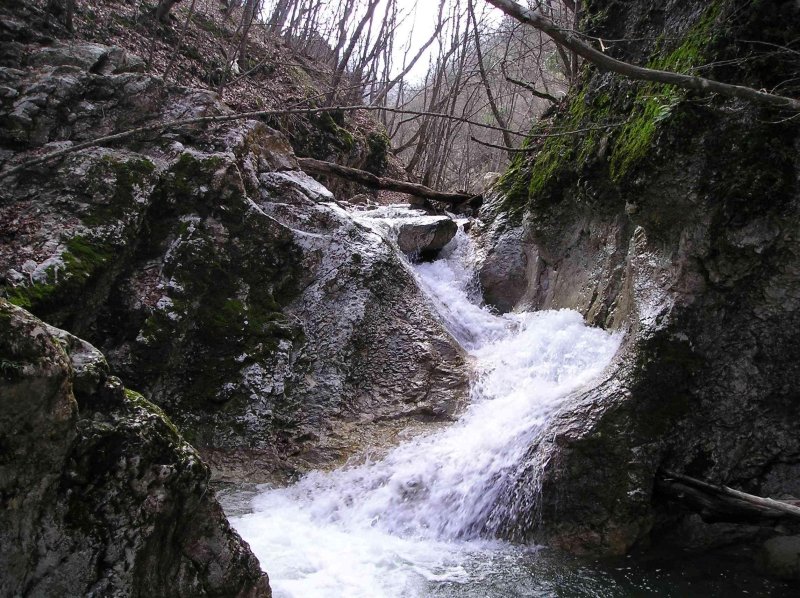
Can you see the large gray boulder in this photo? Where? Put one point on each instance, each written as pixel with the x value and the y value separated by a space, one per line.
pixel 425 235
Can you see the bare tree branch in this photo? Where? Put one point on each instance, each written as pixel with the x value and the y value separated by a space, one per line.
pixel 570 40
pixel 532 89
pixel 498 116
pixel 221 118
pixel 372 181
pixel 721 503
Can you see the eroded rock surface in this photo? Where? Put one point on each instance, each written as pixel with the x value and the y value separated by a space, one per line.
pixel 218 279
pixel 100 494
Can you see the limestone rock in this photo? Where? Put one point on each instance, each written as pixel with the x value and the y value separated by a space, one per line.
pixel 100 494
pixel 703 278
pixel 217 278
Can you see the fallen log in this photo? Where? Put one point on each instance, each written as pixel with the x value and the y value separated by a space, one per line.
pixel 320 167
pixel 721 503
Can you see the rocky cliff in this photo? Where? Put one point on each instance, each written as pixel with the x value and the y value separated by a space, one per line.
pixel 674 218
pixel 218 278
pixel 220 281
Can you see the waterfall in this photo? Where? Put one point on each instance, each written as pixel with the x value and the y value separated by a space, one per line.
pixel 419 515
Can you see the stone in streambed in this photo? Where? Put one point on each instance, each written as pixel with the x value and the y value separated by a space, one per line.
pixel 425 235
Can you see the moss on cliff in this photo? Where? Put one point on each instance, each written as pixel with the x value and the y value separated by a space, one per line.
pixel 81 262
pixel 130 178
pixel 589 121
pixel 654 103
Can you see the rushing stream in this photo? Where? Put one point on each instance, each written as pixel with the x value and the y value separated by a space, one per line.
pixel 418 521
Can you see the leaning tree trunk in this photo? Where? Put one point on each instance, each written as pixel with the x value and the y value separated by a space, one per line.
pixel 163 8
pixel 63 10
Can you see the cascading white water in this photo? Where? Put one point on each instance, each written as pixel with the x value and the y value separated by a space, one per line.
pixel 397 525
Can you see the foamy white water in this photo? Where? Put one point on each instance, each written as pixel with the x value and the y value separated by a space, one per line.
pixel 418 516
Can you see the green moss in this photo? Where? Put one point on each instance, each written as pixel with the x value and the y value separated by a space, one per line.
pixel 535 178
pixel 82 259
pixel 11 371
pixel 139 401
pixel 655 102
pixel 526 181
pixel 377 153
pixel 130 176
pixel 30 296
pixel 190 172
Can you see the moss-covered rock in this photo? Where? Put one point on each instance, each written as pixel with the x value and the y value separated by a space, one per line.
pixel 100 493
pixel 218 279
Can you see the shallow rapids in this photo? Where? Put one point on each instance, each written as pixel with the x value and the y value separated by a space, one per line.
pixel 419 520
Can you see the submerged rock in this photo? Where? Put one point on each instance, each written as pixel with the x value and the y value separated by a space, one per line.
pixel 100 494
pixel 780 557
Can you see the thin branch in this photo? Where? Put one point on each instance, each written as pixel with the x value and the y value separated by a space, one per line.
pixel 533 90
pixel 221 118
pixel 706 86
pixel 526 150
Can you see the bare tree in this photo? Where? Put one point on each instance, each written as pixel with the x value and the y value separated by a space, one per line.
pixel 484 77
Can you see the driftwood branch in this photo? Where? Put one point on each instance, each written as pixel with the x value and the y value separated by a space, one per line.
pixel 220 118
pixel 372 181
pixel 570 40
pixel 721 503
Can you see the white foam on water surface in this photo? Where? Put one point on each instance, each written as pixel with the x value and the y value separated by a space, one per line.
pixel 413 519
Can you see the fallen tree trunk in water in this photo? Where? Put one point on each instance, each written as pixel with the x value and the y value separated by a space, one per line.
pixel 721 503
pixel 372 181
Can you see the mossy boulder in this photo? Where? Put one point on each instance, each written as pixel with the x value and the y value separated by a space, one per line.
pixel 101 494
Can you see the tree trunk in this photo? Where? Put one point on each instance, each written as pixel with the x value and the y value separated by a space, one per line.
pixel 372 181
pixel 163 8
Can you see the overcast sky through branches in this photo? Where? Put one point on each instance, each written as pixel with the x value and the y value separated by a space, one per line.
pixel 419 21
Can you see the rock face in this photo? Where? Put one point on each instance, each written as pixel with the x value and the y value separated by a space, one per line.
pixel 679 228
pixel 217 278
pixel 100 494
pixel 780 557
